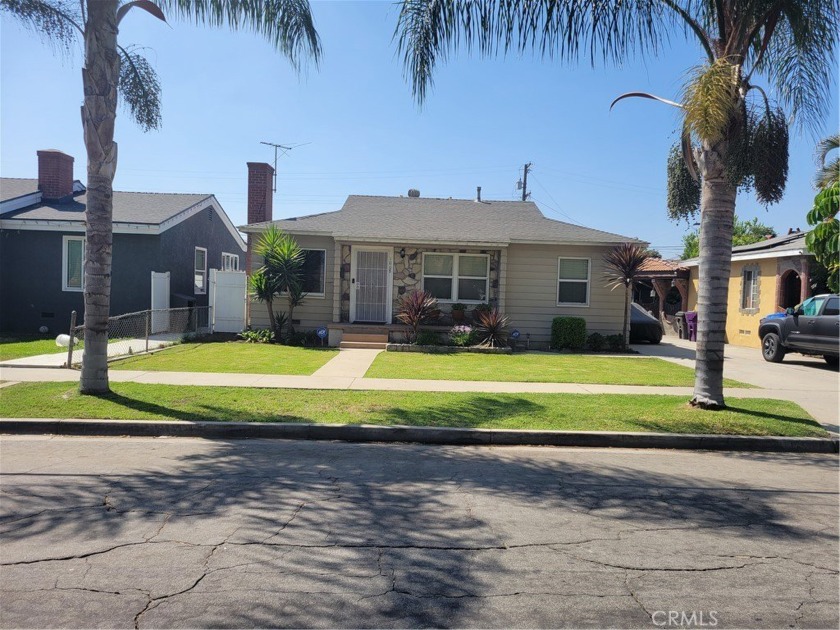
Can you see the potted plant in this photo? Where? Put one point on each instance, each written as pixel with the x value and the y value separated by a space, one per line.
pixel 458 310
pixel 479 310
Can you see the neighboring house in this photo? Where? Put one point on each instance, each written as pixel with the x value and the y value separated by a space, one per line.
pixel 42 242
pixel 361 259
pixel 766 277
pixel 662 289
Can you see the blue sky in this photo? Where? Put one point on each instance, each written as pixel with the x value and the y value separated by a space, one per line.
pixel 224 93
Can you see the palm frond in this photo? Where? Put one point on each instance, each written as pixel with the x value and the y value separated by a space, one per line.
pixel 139 88
pixel 829 173
pixel 428 31
pixel 57 22
pixel 800 60
pixel 287 24
pixel 709 100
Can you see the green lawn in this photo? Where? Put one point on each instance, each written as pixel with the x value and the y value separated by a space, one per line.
pixel 21 346
pixel 509 411
pixel 234 356
pixel 535 368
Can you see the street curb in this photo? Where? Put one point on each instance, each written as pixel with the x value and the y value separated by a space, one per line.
pixel 418 435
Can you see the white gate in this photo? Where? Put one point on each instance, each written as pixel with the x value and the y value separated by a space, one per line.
pixel 228 295
pixel 160 302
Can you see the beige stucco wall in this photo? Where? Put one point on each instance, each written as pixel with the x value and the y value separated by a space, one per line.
pixel 315 311
pixel 531 291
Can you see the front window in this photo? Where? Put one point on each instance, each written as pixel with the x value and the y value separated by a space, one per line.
pixel 314 267
pixel 573 282
pixel 749 288
pixel 200 271
pixel 461 278
pixel 73 264
pixel 230 262
pixel 811 306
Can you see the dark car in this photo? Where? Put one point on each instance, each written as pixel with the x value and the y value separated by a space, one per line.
pixel 644 326
pixel 810 328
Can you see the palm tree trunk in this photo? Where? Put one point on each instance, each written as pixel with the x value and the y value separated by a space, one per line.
pixel 717 204
pixel 272 323
pixel 100 76
pixel 627 293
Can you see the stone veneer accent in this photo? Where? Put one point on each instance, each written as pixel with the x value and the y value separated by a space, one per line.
pixel 408 274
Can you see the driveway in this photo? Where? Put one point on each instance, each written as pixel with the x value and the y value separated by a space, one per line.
pixel 808 381
pixel 126 532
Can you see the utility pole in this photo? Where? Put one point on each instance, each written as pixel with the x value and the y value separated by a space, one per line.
pixel 523 183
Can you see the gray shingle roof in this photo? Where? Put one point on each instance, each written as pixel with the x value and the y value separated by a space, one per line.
pixel 421 219
pixel 795 241
pixel 13 187
pixel 129 207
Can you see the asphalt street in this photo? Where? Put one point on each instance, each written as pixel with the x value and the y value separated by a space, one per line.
pixel 145 532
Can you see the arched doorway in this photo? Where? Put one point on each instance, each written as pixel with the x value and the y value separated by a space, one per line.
pixel 790 289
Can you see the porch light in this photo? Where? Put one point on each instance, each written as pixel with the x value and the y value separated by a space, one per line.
pixel 402 253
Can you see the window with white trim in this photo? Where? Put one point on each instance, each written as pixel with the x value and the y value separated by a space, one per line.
pixel 573 281
pixel 749 288
pixel 200 271
pixel 461 278
pixel 73 263
pixel 230 262
pixel 314 269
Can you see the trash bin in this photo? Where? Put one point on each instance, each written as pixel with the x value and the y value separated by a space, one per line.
pixel 691 320
pixel 682 327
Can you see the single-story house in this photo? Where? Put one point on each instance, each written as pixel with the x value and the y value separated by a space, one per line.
pixel 766 277
pixel 662 288
pixel 42 243
pixel 361 259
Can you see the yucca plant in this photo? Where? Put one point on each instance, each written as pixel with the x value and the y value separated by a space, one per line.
pixel 417 308
pixel 623 264
pixel 766 62
pixel 491 331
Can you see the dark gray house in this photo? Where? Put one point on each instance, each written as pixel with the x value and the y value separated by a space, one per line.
pixel 42 242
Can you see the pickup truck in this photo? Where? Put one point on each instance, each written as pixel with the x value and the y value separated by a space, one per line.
pixel 810 328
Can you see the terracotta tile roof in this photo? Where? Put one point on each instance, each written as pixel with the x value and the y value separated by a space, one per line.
pixel 659 265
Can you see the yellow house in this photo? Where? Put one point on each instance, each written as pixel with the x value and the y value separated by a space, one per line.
pixel 766 277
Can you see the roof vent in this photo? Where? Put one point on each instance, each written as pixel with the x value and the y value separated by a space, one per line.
pixel 413 192
pixel 478 194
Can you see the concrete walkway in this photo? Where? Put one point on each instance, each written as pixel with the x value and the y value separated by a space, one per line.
pixel 116 348
pixel 349 363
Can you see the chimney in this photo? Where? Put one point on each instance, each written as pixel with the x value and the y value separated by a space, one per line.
pixel 55 174
pixel 478 194
pixel 260 195
pixel 260 200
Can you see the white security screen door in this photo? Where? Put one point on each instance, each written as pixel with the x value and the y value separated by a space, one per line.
pixel 227 298
pixel 371 286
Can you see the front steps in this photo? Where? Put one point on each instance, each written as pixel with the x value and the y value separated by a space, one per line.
pixel 364 341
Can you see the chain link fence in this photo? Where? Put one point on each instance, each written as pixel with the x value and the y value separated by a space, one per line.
pixel 135 333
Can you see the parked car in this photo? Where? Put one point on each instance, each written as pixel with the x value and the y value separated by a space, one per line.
pixel 644 326
pixel 813 327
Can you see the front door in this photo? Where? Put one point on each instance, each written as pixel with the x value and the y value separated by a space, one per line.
pixel 370 285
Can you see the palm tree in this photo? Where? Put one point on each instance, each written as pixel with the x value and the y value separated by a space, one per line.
pixel 829 173
pixel 623 264
pixel 111 71
pixel 264 290
pixel 824 237
pixel 733 134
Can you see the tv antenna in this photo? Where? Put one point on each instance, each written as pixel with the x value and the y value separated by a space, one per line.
pixel 285 151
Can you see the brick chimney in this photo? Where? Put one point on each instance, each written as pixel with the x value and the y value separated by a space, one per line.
pixel 260 197
pixel 55 174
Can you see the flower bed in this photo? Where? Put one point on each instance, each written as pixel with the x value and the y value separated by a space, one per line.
pixel 408 347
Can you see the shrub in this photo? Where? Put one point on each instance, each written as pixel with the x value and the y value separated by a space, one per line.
pixel 457 306
pixel 462 335
pixel 416 308
pixel 308 338
pixel 257 336
pixel 568 332
pixel 596 342
pixel 615 342
pixel 427 338
pixel 280 321
pixel 491 331
pixel 479 310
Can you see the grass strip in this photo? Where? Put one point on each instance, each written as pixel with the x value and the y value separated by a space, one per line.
pixel 535 368
pixel 20 347
pixel 230 357
pixel 578 412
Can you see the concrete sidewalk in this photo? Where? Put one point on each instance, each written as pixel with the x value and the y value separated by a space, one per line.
pixel 116 348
